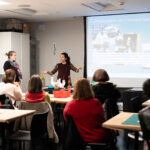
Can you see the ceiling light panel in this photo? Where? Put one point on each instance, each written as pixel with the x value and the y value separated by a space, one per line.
pixel 4 3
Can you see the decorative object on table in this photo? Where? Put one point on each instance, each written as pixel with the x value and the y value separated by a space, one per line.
pixel 43 81
pixel 58 83
pixel 63 93
pixel 69 82
pixel 92 83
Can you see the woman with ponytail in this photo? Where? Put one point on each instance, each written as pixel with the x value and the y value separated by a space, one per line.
pixel 9 87
pixel 12 64
pixel 63 69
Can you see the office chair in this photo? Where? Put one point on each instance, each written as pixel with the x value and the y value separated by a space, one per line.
pixel 37 134
pixel 73 140
pixel 144 117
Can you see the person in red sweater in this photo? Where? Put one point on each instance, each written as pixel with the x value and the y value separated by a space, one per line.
pixel 35 93
pixel 87 114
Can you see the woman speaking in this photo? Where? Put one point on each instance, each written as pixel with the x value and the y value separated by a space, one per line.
pixel 63 69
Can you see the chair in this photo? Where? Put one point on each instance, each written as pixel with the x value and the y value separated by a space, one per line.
pixel 6 103
pixel 37 134
pixel 135 106
pixel 144 117
pixel 136 103
pixel 110 108
pixel 73 140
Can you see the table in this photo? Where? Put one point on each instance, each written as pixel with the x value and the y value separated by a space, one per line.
pixel 7 115
pixel 116 124
pixel 59 100
pixel 146 103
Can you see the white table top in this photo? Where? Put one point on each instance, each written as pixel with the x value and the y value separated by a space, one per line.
pixel 59 100
pixel 7 115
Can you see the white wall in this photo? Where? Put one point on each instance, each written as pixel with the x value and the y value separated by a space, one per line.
pixel 68 36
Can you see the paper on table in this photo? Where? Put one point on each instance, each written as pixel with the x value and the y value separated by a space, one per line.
pixel 133 120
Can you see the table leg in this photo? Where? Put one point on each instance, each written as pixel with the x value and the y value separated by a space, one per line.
pixel 2 135
pixel 136 142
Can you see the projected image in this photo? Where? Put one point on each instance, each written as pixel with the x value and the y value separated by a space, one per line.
pixel 120 44
pixel 109 39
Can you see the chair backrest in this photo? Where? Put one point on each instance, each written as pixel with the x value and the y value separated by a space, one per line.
pixel 71 137
pixel 2 99
pixel 6 103
pixel 24 123
pixel 39 125
pixel 144 117
pixel 136 103
pixel 110 108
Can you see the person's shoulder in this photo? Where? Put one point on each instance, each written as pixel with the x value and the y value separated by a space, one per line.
pixel 8 85
pixel 72 102
pixel 96 86
pixel 95 101
pixel 7 62
pixel 58 64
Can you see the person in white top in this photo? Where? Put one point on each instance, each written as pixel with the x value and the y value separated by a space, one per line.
pixel 9 87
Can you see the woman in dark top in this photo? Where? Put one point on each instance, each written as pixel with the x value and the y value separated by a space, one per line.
pixel 12 64
pixel 104 90
pixel 63 69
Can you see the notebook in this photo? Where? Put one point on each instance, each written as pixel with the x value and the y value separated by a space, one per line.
pixel 133 120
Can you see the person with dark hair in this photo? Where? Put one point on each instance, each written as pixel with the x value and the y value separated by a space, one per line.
pixel 12 64
pixel 35 93
pixel 9 87
pixel 146 88
pixel 63 69
pixel 37 99
pixel 87 114
pixel 104 89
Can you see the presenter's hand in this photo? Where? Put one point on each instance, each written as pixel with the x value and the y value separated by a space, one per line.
pixel 79 68
pixel 44 72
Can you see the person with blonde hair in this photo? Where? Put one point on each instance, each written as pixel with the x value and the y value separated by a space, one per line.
pixel 87 113
pixel 12 64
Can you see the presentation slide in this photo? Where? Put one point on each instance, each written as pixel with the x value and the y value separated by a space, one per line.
pixel 120 44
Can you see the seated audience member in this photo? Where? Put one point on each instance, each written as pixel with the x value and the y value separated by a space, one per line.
pixel 146 88
pixel 36 100
pixel 136 102
pixel 35 93
pixel 9 87
pixel 87 114
pixel 104 89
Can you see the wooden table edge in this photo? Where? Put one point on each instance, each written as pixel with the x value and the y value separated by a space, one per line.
pixel 8 120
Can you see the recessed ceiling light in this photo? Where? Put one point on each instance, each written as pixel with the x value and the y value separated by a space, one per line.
pixel 24 5
pixel 4 3
pixel 121 3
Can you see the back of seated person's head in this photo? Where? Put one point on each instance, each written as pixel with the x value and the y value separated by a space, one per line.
pixel 100 75
pixel 9 77
pixel 82 89
pixel 35 84
pixel 146 88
